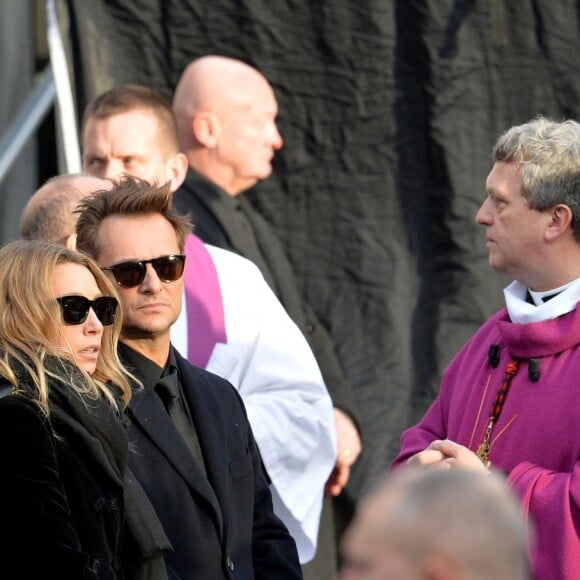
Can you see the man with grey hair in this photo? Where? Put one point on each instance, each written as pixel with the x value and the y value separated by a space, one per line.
pixel 437 524
pixel 509 399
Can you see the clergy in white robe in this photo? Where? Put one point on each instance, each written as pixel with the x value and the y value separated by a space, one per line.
pixel 233 325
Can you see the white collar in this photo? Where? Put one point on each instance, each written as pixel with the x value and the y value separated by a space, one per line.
pixel 522 312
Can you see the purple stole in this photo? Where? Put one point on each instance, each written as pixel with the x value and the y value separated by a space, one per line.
pixel 206 324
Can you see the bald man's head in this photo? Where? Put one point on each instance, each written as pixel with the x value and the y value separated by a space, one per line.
pixel 207 82
pixel 226 121
pixel 445 524
pixel 49 214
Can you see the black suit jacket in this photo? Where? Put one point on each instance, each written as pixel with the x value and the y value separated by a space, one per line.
pixel 233 224
pixel 222 525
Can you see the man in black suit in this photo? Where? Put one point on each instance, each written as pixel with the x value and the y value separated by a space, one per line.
pixel 192 447
pixel 226 120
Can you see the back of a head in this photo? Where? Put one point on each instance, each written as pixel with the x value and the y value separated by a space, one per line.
pixel 49 214
pixel 470 521
pixel 548 154
pixel 129 196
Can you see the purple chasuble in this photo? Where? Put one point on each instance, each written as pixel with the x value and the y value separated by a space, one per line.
pixel 536 439
pixel 205 309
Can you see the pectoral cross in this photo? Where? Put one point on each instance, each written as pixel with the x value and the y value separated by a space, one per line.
pixel 483 453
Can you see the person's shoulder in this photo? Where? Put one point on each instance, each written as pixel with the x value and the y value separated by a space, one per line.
pixel 485 335
pixel 217 393
pixel 196 375
pixel 232 262
pixel 11 400
pixel 20 414
pixel 195 186
pixel 492 321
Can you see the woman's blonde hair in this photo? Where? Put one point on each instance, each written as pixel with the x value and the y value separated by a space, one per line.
pixel 31 320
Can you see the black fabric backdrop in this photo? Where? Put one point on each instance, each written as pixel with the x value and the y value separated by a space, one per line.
pixel 389 110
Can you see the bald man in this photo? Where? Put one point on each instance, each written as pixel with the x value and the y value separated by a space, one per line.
pixel 226 116
pixel 49 216
pixel 438 525
pixel 226 120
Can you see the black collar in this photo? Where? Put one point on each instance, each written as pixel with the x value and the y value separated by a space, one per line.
pixel 148 371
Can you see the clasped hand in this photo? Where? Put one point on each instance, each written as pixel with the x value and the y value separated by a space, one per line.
pixel 446 454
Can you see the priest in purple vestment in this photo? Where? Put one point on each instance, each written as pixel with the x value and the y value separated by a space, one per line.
pixel 509 400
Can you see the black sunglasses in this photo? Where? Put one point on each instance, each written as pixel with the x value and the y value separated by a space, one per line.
pixel 131 274
pixel 75 309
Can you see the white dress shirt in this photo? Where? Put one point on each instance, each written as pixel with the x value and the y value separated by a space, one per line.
pixel 269 361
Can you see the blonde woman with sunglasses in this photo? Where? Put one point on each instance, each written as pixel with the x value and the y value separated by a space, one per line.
pixel 63 442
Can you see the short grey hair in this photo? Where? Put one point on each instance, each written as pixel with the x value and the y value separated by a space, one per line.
pixel 548 153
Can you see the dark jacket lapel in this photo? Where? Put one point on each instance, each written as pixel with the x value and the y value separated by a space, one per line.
pixel 206 412
pixel 148 413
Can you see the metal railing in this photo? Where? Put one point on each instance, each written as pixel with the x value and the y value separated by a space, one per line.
pixel 51 89
pixel 30 115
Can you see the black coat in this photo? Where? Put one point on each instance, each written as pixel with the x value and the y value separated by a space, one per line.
pixel 221 526
pixel 233 224
pixel 61 487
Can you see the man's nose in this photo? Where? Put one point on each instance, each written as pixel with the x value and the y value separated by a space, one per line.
pixel 151 282
pixel 112 169
pixel 483 215
pixel 277 141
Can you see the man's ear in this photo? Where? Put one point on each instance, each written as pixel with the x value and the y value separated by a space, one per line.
pixel 206 129
pixel 70 242
pixel 177 170
pixel 560 222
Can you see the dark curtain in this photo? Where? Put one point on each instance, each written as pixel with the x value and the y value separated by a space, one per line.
pixel 389 110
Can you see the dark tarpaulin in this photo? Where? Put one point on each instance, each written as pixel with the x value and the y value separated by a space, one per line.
pixel 389 110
